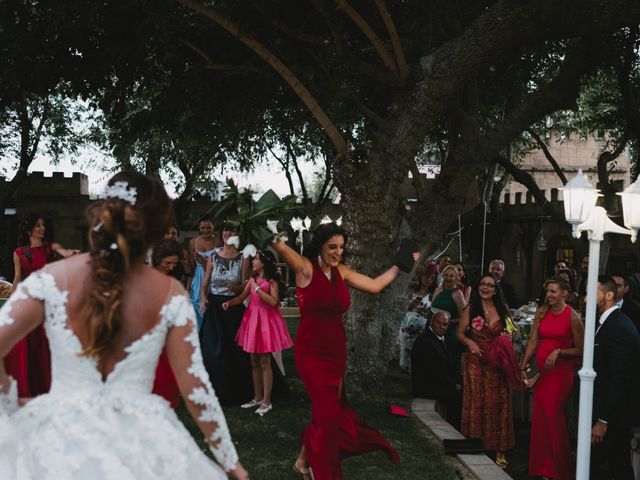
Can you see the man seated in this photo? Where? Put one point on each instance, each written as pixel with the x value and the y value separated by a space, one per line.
pixel 433 374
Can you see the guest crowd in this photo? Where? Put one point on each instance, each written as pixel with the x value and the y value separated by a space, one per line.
pixel 456 341
pixel 475 391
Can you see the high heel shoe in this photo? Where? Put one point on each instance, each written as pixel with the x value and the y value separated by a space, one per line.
pixel 502 462
pixel 306 472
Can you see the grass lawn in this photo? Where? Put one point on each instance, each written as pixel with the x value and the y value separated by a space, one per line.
pixel 268 445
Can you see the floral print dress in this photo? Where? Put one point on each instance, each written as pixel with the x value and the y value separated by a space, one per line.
pixel 486 396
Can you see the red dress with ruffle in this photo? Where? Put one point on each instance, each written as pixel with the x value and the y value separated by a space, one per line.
pixel 550 450
pixel 29 361
pixel 320 355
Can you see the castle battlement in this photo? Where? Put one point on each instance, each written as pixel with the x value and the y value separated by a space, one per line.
pixel 37 184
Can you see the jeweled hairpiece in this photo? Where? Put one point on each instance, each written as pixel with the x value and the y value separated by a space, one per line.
pixel 121 190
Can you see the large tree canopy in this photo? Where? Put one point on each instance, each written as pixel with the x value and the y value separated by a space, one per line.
pixel 373 85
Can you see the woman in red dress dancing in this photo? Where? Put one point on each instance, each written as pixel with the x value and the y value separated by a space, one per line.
pixel 556 339
pixel 28 361
pixel 320 353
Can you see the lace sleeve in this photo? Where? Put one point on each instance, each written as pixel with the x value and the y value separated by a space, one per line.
pixel 183 349
pixel 23 312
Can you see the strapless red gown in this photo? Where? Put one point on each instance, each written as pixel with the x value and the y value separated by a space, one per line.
pixel 320 355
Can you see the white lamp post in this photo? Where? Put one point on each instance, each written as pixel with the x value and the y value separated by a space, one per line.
pixel 580 211
pixel 630 209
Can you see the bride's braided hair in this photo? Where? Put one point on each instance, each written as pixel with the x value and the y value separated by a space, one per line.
pixel 121 231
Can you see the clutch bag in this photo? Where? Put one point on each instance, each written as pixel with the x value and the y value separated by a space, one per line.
pixel 404 258
pixel 532 373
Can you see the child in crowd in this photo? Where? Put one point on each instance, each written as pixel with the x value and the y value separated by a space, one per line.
pixel 263 330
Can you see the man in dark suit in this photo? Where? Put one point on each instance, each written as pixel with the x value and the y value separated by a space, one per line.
pixel 617 386
pixel 497 268
pixel 628 305
pixel 433 374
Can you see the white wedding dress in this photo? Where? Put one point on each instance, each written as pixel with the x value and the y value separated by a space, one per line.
pixel 115 429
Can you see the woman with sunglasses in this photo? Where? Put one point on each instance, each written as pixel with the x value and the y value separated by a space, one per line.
pixel 486 396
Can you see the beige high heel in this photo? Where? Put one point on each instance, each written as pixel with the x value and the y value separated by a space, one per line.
pixel 306 472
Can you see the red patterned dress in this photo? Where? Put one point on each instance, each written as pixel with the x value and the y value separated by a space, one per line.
pixel 486 397
pixel 320 354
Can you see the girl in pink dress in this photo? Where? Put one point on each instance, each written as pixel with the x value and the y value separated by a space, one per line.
pixel 263 330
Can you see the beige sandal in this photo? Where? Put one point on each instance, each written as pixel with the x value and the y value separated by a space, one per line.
pixel 304 471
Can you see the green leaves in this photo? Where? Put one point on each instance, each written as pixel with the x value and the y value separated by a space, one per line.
pixel 249 217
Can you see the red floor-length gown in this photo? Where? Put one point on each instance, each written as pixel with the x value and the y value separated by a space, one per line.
pixel 165 383
pixel 320 355
pixel 28 362
pixel 550 450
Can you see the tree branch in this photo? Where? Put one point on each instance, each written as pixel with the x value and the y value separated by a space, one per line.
pixel 377 44
pixel 527 180
pixel 403 68
pixel 285 72
pixel 547 154
pixel 210 64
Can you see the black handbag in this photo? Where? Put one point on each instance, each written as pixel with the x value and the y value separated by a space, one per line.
pixel 465 445
pixel 404 258
pixel 532 373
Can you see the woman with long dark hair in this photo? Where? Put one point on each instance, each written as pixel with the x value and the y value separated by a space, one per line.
pixel 486 387
pixel 320 352
pixel 108 316
pixel 28 361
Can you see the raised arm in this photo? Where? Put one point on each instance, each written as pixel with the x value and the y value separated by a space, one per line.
pixel 183 350
pixel 64 252
pixel 301 266
pixel 365 283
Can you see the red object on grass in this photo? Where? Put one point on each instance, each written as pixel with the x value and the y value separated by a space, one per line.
pixel 399 411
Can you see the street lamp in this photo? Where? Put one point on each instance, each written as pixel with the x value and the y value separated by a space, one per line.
pixel 630 210
pixel 579 199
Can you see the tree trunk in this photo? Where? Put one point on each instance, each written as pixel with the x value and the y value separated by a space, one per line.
pixel 371 220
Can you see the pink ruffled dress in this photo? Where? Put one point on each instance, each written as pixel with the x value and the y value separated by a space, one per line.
pixel 263 329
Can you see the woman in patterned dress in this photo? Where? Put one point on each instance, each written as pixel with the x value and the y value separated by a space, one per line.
pixel 486 396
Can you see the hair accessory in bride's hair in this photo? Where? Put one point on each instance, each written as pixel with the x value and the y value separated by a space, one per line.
pixel 121 190
pixel 113 246
pixel 98 226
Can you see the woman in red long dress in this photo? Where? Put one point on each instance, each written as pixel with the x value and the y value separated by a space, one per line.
pixel 28 362
pixel 556 338
pixel 165 258
pixel 320 354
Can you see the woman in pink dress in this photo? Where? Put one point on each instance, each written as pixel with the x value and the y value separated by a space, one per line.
pixel 28 361
pixel 262 330
pixel 556 340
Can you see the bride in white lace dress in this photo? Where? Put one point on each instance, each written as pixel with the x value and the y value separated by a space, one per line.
pixel 108 316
